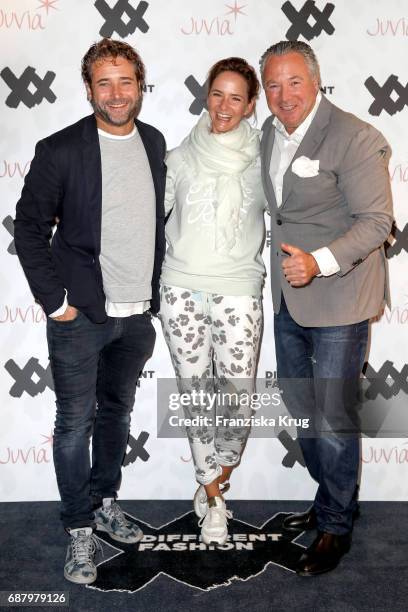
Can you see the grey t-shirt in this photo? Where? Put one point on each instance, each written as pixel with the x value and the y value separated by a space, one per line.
pixel 128 218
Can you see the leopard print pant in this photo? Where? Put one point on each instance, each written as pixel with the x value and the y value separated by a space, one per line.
pixel 213 342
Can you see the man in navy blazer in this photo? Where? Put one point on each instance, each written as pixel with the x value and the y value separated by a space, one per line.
pixel 101 182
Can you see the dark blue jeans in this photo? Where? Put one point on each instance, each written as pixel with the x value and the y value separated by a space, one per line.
pixel 95 369
pixel 324 364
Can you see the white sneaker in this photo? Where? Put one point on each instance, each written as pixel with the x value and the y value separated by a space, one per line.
pixel 79 562
pixel 200 501
pixel 214 523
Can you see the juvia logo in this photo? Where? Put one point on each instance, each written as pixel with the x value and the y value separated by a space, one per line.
pixel 175 550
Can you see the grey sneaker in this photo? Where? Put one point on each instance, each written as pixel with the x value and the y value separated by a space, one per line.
pixel 79 562
pixel 110 518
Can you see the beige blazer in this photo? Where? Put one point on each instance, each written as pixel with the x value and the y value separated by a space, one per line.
pixel 346 207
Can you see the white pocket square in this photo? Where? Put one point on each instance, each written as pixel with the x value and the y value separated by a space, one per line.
pixel 305 167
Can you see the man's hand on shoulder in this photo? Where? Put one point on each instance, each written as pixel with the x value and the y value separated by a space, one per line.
pixel 70 314
pixel 300 267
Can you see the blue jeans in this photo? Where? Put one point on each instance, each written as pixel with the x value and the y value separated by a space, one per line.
pixel 95 368
pixel 326 363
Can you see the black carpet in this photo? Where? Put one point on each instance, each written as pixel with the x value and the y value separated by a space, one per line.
pixel 171 570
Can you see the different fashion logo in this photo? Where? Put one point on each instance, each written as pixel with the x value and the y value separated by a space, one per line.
pixel 271 379
pixel 146 374
pixel 391 97
pixel 199 92
pixel 300 20
pixel 137 449
pixel 23 377
pixel 175 550
pixel 8 224
pixel 294 452
pixel 123 18
pixel 32 378
pixel 29 88
pixel 327 89
pixel 387 382
pixel 400 242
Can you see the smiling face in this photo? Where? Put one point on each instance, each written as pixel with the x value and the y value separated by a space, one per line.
pixel 114 94
pixel 290 89
pixel 227 101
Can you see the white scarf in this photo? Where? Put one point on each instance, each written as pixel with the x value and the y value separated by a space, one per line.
pixel 224 157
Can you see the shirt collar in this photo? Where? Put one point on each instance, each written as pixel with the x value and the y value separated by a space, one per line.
pixel 115 136
pixel 300 131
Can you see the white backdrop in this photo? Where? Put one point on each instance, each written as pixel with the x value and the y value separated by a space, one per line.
pixel 183 38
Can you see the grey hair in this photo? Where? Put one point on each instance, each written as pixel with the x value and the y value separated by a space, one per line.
pixel 293 46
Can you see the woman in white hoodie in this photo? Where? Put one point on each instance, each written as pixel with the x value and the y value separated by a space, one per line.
pixel 212 279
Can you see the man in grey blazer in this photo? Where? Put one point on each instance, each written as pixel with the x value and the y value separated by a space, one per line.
pixel 325 175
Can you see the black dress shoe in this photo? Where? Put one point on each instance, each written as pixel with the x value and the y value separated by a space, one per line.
pixel 306 521
pixel 324 554
pixel 301 522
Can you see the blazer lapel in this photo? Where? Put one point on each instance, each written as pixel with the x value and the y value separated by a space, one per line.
pixel 92 175
pixel 268 138
pixel 309 145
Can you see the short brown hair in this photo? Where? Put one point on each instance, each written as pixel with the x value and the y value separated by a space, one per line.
pixel 108 48
pixel 240 66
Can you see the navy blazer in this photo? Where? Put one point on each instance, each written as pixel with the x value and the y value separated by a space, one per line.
pixel 65 181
